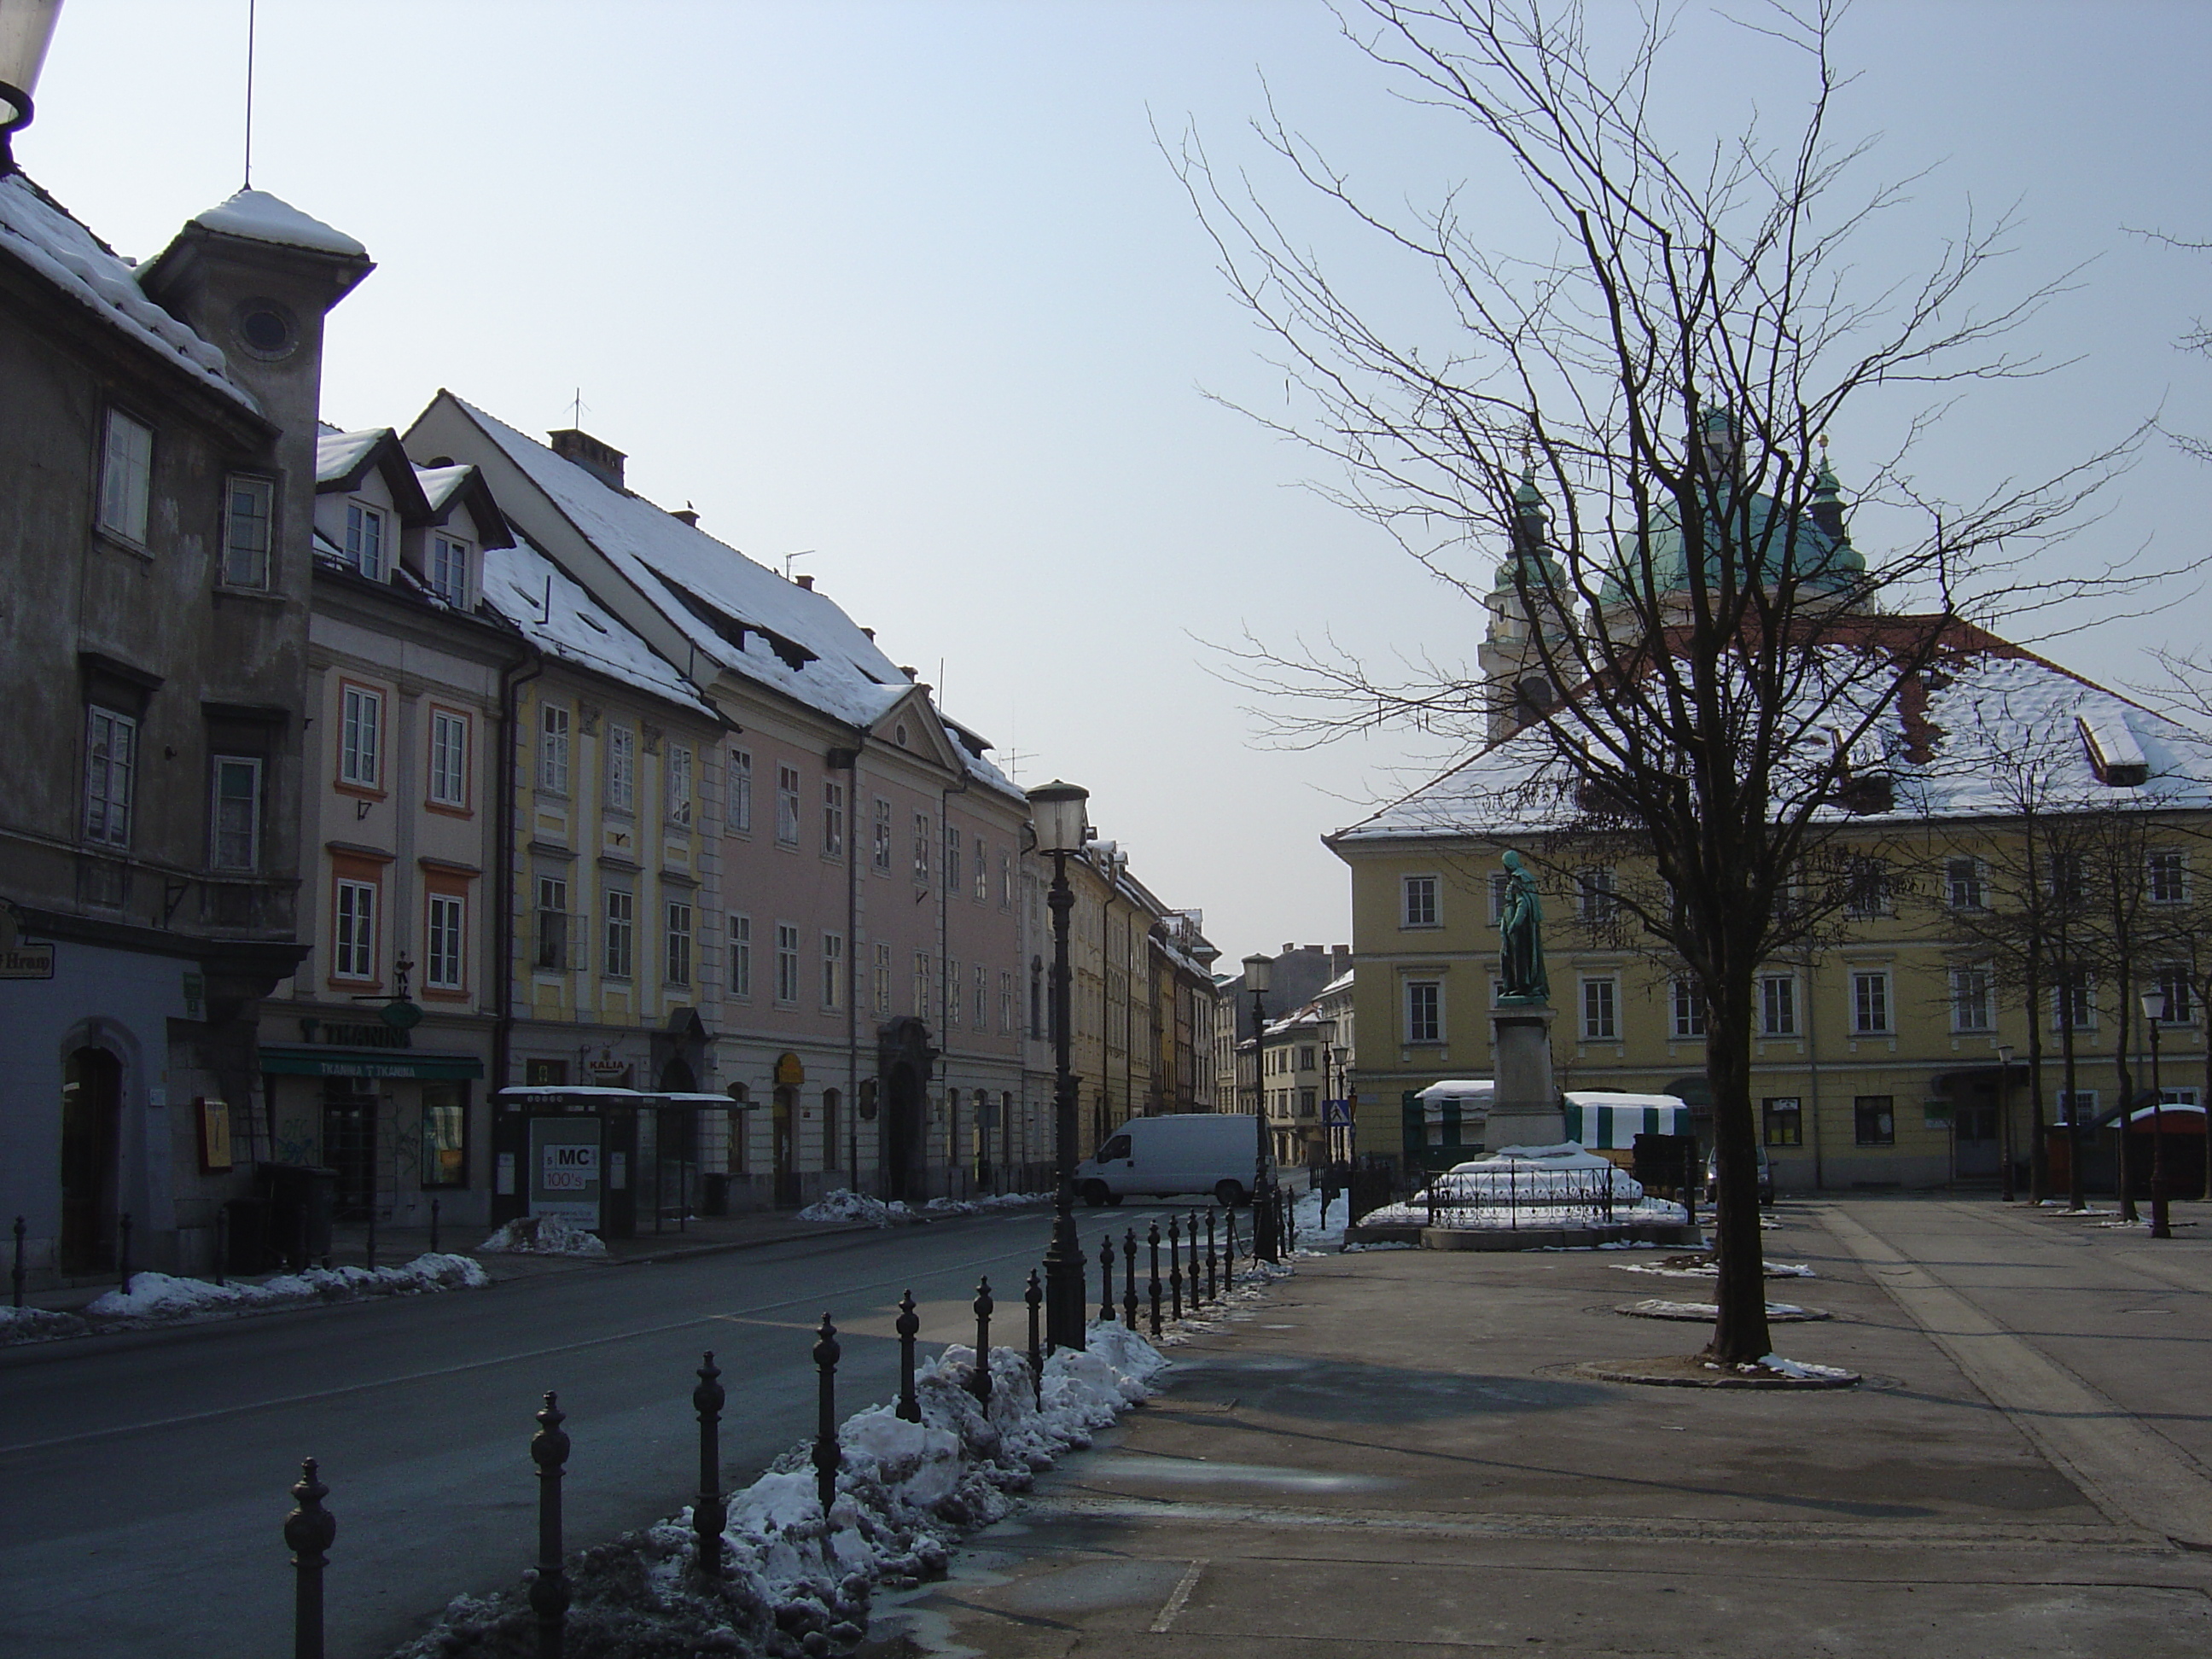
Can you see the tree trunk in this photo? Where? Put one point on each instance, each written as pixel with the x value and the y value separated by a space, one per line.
pixel 2039 1154
pixel 1739 1335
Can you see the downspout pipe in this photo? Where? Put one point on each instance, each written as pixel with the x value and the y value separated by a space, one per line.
pixel 503 861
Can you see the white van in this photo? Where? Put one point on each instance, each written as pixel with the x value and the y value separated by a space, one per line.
pixel 1158 1157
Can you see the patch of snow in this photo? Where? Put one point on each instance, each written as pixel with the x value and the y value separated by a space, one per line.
pixel 542 1235
pixel 1775 1362
pixel 795 1581
pixel 37 1325
pixel 845 1204
pixel 561 619
pixel 38 231
pixel 155 1297
pixel 258 217
pixel 336 453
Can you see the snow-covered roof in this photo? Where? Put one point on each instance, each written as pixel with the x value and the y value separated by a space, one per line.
pixel 338 453
pixel 1954 749
pixel 738 613
pixel 564 621
pixel 38 232
pixel 258 217
pixel 1459 1088
pixel 1341 982
pixel 439 484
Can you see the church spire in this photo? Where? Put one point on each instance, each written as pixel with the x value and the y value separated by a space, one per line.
pixel 1827 508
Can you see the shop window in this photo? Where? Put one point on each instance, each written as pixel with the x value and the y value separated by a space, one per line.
pixel 445 1132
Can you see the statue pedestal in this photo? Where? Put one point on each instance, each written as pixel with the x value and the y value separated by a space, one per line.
pixel 1526 1109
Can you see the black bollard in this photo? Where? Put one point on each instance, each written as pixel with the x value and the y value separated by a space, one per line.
pixel 909 1321
pixel 1197 1286
pixel 1213 1290
pixel 122 1252
pixel 825 1415
pixel 979 1380
pixel 1129 1279
pixel 1154 1238
pixel 368 1249
pixel 434 1226
pixel 1690 1187
pixel 18 1273
pixel 1229 1255
pixel 709 1509
pixel 221 1244
pixel 1035 1296
pixel 310 1530
pixel 1106 1278
pixel 549 1590
pixel 1175 1266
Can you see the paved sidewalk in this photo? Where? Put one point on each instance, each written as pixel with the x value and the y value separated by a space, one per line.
pixel 1387 1456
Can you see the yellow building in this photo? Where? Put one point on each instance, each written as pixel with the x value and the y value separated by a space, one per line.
pixel 1881 1058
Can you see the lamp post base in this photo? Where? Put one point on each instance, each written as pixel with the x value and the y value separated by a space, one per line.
pixel 1065 1302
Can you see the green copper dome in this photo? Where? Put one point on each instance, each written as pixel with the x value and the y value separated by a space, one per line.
pixel 1816 549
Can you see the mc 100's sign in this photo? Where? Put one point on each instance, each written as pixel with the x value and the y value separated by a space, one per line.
pixel 568 1169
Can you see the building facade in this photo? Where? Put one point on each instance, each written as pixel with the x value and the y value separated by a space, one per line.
pixel 156 485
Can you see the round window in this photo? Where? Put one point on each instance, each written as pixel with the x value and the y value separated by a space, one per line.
pixel 899 736
pixel 266 329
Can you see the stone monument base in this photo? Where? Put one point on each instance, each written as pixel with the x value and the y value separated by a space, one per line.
pixel 1526 1109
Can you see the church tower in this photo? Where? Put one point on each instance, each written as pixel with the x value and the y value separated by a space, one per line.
pixel 1530 595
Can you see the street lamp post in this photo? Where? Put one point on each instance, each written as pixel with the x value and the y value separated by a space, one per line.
pixel 1256 972
pixel 1056 809
pixel 2155 1011
pixel 26 29
pixel 1344 1081
pixel 2004 1117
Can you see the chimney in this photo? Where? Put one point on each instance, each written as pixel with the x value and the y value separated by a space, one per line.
pixel 602 461
pixel 907 669
pixel 688 513
pixel 870 632
pixel 806 582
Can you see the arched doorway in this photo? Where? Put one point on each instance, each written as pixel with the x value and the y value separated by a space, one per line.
pixel 92 1124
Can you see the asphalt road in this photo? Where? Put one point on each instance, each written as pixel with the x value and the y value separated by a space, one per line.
pixel 146 1476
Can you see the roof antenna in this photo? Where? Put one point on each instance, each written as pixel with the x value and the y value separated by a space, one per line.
pixel 788 557
pixel 576 413
pixel 252 6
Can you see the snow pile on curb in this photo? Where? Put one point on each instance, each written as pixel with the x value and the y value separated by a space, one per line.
pixel 1802 1370
pixel 1305 1217
pixel 1531 1186
pixel 844 1205
pixel 796 1582
pixel 155 1296
pixel 542 1235
pixel 1674 1268
pixel 37 1325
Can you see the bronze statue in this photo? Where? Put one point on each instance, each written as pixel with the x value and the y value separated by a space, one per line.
pixel 1520 924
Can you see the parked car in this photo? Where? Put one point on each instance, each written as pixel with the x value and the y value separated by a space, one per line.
pixel 1207 1152
pixel 1765 1179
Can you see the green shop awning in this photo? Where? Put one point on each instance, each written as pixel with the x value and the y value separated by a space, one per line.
pixel 326 1060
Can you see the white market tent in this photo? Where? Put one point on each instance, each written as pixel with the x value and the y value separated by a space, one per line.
pixel 1603 1119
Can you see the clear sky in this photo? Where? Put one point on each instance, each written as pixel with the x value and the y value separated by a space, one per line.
pixel 911 287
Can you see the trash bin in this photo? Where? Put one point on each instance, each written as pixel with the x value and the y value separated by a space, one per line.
pixel 301 1200
pixel 247 1223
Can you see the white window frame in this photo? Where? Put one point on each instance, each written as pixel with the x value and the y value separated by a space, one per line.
pixel 741 956
pixel 553 902
pixel 1597 899
pixel 677 956
pixel 2158 889
pixel 1600 1007
pixel 111 771
pixel 360 736
pixel 556 727
pixel 366 538
pixel 788 786
pixel 126 477
pixel 883 845
pixel 924 976
pixel 449 569
pixel 2084 1002
pixel 248 536
pixel 979 1010
pixel 786 964
pixel 676 762
pixel 833 972
pixel 1687 1009
pixel 353 929
pixel 741 792
pixel 1779 1016
pixel 1970 873
pixel 219 856
pixel 444 942
pixel 618 951
pixel 1423 1010
pixel 832 818
pixel 921 837
pixel 1418 902
pixel 448 782
pixel 1873 1003
pixel 951 858
pixel 952 994
pixel 1973 998
pixel 621 769
pixel 883 981
pixel 982 871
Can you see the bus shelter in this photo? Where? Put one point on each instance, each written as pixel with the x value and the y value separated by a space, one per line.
pixel 615 1162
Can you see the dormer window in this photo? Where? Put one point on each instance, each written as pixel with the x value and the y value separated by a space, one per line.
pixel 449 570
pixel 364 539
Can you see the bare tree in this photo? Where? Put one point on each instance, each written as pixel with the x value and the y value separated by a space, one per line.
pixel 1707 666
